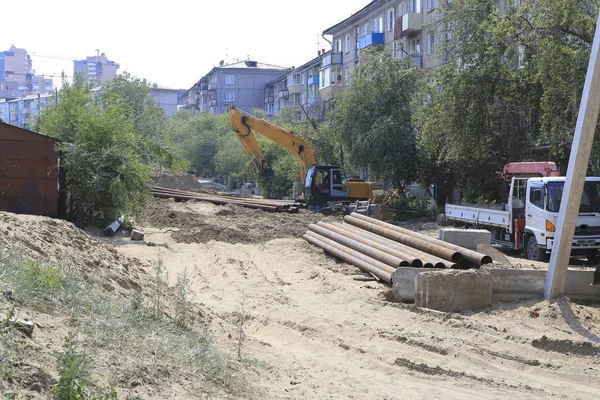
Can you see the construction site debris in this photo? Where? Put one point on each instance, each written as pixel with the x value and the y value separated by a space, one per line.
pixel 137 234
pixel 262 204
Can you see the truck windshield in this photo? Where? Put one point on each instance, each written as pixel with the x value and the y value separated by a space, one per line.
pixel 590 199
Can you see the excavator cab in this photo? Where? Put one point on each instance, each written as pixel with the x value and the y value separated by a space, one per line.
pixel 325 183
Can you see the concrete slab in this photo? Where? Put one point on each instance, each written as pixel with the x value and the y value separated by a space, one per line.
pixel 403 283
pixel 454 290
pixel 468 238
pixel 523 284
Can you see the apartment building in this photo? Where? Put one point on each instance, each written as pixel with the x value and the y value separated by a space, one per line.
pixel 299 89
pixel 405 26
pixel 17 76
pixel 97 69
pixel 20 111
pixel 241 84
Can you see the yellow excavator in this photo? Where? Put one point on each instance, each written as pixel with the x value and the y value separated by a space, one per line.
pixel 323 184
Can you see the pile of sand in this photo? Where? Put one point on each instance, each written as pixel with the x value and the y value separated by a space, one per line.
pixel 201 222
pixel 63 243
pixel 185 182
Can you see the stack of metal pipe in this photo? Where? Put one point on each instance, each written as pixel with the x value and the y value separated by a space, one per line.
pixel 379 248
pixel 262 204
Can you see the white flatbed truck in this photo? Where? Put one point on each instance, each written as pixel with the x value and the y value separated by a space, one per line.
pixel 528 220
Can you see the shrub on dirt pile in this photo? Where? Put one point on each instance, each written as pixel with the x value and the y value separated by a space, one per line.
pixel 108 140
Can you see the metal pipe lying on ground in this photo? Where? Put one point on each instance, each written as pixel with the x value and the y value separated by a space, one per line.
pixel 467 254
pixel 405 239
pixel 361 247
pixel 429 260
pixel 347 255
pixel 411 260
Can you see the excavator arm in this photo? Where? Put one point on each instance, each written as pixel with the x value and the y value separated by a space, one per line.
pixel 245 125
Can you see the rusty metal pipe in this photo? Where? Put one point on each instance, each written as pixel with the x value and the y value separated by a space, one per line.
pixel 467 254
pixel 408 240
pixel 429 260
pixel 410 260
pixel 358 246
pixel 348 255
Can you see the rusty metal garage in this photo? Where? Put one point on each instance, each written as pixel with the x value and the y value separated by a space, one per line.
pixel 28 172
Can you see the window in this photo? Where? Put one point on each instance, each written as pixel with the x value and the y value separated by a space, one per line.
pixel 338 46
pixel 336 75
pixel 430 43
pixel 347 75
pixel 229 79
pixel 402 9
pixel 229 96
pixel 347 44
pixel 415 6
pixel 390 21
pixel 378 24
pixel 322 80
pixel 295 98
pixel 303 78
pixel 365 29
pixel 294 79
pixel 357 34
pixel 535 196
pixel 430 5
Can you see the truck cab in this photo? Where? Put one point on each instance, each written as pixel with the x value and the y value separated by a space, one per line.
pixel 542 205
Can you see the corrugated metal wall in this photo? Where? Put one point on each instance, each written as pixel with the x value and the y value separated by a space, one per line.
pixel 28 172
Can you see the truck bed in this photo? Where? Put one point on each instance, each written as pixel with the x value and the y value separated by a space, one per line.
pixel 478 215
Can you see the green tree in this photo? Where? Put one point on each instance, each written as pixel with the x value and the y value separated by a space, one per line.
pixel 105 171
pixel 373 117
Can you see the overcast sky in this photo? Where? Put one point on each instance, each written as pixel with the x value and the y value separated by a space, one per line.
pixel 172 43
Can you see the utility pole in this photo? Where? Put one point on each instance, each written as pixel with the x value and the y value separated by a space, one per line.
pixel 578 164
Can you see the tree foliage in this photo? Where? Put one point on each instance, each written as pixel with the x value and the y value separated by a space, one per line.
pixel 105 149
pixel 508 89
pixel 372 119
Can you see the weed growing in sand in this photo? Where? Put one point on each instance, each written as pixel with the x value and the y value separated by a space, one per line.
pixel 160 284
pixel 182 305
pixel 154 338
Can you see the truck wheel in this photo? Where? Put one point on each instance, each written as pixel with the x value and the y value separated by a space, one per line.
pixel 592 256
pixel 534 252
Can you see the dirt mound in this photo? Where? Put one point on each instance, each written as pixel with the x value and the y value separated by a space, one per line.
pixel 185 182
pixel 200 222
pixel 61 242
pixel 582 348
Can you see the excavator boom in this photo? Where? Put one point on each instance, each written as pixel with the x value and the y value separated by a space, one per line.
pixel 245 125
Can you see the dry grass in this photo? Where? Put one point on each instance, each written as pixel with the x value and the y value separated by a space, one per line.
pixel 131 344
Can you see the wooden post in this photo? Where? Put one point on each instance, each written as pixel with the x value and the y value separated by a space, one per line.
pixel 578 164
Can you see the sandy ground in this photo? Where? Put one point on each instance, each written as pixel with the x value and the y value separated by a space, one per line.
pixel 315 333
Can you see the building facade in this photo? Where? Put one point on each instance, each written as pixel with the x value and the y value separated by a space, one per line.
pixel 166 98
pixel 21 111
pixel 96 69
pixel 17 76
pixel 298 89
pixel 405 26
pixel 241 84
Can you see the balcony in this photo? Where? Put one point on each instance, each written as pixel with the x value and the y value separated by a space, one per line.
pixel 269 99
pixel 374 38
pixel 331 59
pixel 295 87
pixel 313 81
pixel 412 23
pixel 284 94
pixel 204 108
pixel 212 103
pixel 212 86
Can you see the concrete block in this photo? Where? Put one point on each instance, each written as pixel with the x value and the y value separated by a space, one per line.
pixel 454 290
pixel 137 234
pixel 403 283
pixel 523 284
pixel 468 238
